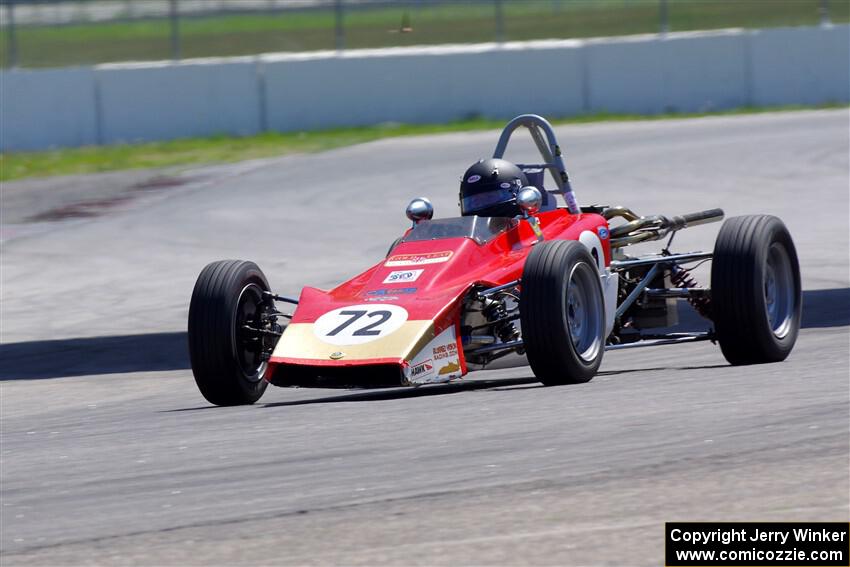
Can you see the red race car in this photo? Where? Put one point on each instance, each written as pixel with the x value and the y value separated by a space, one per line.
pixel 514 274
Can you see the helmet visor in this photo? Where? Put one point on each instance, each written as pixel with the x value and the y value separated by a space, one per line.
pixel 479 201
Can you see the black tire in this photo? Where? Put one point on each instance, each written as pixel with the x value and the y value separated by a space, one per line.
pixel 559 350
pixel 227 371
pixel 756 294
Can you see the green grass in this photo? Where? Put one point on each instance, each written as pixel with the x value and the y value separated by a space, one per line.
pixel 452 22
pixel 20 165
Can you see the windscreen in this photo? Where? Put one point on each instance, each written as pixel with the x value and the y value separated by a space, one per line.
pixel 479 229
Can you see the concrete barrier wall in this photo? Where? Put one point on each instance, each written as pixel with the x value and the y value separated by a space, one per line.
pixel 158 102
pixel 697 71
pixel 43 109
pixel 428 85
pixel 801 65
pixel 648 74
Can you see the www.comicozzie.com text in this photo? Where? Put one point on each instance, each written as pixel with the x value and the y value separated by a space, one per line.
pixel 744 534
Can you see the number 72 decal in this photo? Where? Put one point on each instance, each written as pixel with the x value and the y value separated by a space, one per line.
pixel 358 324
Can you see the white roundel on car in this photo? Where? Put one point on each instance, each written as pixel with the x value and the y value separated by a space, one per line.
pixel 358 324
pixel 594 246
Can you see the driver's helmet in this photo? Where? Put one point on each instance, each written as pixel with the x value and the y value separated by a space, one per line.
pixel 489 189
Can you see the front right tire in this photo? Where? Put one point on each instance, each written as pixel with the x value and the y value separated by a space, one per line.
pixel 227 357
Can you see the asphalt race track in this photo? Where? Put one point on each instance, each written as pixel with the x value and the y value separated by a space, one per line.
pixel 111 456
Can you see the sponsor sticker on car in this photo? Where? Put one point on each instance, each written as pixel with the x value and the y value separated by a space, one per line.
pixel 397 290
pixel 422 369
pixel 450 368
pixel 402 276
pixel 445 351
pixel 603 232
pixel 441 356
pixel 418 259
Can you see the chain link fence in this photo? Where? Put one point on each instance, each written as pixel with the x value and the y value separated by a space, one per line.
pixel 55 33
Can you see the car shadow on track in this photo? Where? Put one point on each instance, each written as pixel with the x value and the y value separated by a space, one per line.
pixel 151 352
pixel 493 385
pixel 826 308
pixel 407 392
pixel 660 369
pixel 507 386
pixel 399 393
pixel 822 308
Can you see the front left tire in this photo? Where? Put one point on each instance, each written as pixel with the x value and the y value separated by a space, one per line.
pixel 562 312
pixel 226 356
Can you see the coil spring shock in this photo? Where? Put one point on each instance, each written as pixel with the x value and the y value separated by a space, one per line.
pixel 683 279
pixel 496 311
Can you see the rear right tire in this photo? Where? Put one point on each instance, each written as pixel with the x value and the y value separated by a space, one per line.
pixel 756 294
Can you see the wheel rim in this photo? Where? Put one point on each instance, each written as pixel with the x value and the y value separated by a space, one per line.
pixel 249 344
pixel 779 290
pixel 584 312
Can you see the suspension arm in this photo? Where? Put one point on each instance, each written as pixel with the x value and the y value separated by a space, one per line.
pixel 282 298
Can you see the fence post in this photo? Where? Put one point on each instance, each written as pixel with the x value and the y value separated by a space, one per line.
pixel 339 27
pixel 174 16
pixel 663 19
pixel 12 58
pixel 500 21
pixel 824 13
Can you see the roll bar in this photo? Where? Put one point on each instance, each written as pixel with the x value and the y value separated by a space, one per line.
pixel 544 138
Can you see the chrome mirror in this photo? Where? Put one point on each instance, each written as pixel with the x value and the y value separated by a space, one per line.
pixel 529 199
pixel 420 209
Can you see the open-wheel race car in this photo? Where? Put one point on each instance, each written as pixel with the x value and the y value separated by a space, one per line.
pixel 514 274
